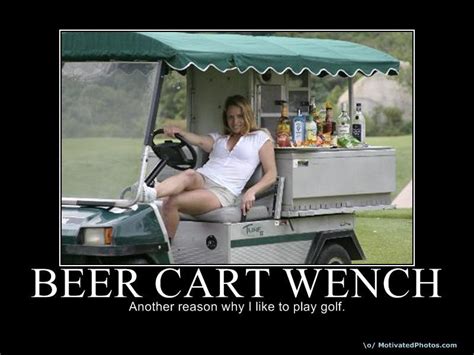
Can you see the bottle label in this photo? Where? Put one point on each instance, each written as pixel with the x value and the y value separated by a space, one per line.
pixel 311 135
pixel 343 129
pixel 283 127
pixel 299 132
pixel 283 140
pixel 357 131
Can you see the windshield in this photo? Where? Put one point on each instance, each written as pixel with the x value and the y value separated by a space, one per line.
pixel 104 111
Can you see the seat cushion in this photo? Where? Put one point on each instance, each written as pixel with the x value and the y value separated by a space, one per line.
pixel 231 214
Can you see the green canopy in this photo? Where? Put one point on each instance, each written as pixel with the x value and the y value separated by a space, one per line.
pixel 229 52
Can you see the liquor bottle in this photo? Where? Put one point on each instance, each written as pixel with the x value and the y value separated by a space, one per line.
pixel 312 104
pixel 328 126
pixel 358 124
pixel 283 132
pixel 298 128
pixel 343 124
pixel 320 121
pixel 311 128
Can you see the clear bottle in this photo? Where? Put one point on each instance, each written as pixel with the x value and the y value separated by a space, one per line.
pixel 311 128
pixel 358 124
pixel 298 129
pixel 343 124
pixel 320 121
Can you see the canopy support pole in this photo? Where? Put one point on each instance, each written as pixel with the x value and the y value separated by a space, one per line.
pixel 350 88
pixel 155 101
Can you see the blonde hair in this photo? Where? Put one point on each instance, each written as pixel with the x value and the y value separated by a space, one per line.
pixel 249 118
pixel 250 124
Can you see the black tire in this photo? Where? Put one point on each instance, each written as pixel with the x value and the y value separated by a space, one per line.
pixel 333 254
pixel 142 259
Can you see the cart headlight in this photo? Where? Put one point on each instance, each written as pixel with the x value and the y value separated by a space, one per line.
pixel 97 236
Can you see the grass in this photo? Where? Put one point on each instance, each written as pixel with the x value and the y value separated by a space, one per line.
pixel 385 236
pixel 110 164
pixel 403 147
pixel 102 169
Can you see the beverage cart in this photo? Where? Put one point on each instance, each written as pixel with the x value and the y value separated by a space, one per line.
pixel 306 218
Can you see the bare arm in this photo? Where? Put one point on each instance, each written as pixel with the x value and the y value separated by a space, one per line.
pixel 267 158
pixel 203 142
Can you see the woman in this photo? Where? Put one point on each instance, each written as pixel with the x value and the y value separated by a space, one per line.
pixel 233 158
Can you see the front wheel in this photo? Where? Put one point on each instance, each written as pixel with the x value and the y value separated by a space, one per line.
pixel 142 259
pixel 333 254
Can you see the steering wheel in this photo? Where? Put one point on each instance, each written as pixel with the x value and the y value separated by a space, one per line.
pixel 170 153
pixel 173 153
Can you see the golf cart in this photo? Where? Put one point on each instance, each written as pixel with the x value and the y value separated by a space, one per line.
pixel 111 89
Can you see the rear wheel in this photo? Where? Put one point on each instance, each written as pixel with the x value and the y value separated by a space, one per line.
pixel 333 254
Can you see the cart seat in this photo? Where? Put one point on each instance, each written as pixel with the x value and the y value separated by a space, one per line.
pixel 231 214
pixel 263 208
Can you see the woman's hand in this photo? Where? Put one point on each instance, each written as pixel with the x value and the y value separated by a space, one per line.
pixel 248 201
pixel 170 131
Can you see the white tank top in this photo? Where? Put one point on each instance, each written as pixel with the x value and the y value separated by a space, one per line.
pixel 232 169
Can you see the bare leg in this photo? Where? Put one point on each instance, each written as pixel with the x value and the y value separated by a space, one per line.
pixel 185 181
pixel 193 202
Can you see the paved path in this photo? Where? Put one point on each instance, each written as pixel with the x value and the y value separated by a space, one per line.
pixel 404 198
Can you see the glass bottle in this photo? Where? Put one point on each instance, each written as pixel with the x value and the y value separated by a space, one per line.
pixel 311 129
pixel 283 132
pixel 328 125
pixel 358 124
pixel 343 124
pixel 312 104
pixel 320 121
pixel 298 127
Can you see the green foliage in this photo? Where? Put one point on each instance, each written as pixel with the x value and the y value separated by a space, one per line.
pixel 172 122
pixel 387 121
pixel 405 78
pixel 107 105
pixel 327 88
pixel 173 97
pixel 334 95
pixel 117 105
